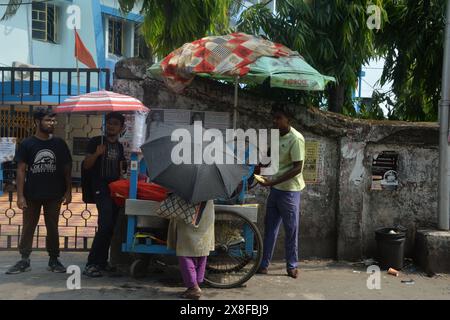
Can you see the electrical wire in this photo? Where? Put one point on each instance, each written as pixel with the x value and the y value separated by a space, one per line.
pixel 25 3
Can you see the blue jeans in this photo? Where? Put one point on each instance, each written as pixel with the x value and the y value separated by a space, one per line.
pixel 107 217
pixel 282 206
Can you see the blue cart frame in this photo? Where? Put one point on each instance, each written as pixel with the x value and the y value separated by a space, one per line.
pixel 250 231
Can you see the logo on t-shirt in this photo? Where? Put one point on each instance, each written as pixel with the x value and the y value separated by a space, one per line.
pixel 112 154
pixel 44 162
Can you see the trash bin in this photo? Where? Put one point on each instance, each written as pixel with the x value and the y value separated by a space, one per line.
pixel 391 247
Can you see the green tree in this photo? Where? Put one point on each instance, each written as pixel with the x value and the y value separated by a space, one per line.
pixel 412 43
pixel 168 24
pixel 332 35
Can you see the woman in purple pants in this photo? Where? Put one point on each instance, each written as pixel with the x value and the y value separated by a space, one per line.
pixel 192 246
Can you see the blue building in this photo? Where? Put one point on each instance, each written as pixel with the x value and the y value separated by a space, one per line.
pixel 41 35
pixel 38 67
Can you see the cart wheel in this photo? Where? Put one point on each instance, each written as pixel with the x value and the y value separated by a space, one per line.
pixel 138 269
pixel 238 251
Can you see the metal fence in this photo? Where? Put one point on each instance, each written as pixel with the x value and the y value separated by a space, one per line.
pixel 77 224
pixel 21 89
pixel 25 85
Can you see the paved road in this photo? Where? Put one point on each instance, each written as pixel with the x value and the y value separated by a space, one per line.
pixel 318 280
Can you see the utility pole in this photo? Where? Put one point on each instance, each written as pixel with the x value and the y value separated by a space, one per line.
pixel 444 105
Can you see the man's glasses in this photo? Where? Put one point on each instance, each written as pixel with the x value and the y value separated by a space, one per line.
pixel 50 121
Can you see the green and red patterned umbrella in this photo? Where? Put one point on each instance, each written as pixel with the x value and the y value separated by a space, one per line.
pixel 242 58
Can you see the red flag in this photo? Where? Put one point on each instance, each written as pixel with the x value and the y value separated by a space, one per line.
pixel 82 53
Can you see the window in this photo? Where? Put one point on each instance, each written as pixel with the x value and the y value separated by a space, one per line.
pixel 115 37
pixel 44 21
pixel 141 49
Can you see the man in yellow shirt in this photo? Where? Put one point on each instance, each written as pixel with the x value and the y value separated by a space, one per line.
pixel 283 203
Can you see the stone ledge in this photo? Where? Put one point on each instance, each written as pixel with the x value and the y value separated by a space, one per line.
pixel 432 252
pixel 132 69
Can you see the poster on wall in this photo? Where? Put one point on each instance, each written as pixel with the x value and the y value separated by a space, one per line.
pixel 7 149
pixel 311 168
pixel 384 171
pixel 162 122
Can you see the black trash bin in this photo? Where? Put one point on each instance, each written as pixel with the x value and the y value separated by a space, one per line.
pixel 391 247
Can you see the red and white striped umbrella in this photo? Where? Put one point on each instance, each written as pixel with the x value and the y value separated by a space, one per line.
pixel 100 102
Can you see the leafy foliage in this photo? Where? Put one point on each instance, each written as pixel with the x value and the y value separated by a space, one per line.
pixel 331 35
pixel 168 24
pixel 412 42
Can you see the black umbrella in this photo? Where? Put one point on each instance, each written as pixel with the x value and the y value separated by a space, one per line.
pixel 193 182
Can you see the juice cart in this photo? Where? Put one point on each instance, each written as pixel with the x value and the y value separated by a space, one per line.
pixel 238 242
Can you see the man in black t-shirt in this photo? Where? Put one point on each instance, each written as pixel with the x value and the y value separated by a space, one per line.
pixel 103 161
pixel 44 167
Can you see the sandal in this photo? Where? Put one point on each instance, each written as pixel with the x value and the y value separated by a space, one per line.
pixel 293 273
pixel 192 294
pixel 92 271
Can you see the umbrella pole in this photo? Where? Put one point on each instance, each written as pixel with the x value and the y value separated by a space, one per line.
pixel 103 127
pixel 236 90
pixel 67 127
pixel 103 133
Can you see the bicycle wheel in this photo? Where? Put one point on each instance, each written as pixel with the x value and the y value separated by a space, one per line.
pixel 238 251
pixel 139 268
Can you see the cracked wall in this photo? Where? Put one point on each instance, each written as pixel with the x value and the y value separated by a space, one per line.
pixel 339 214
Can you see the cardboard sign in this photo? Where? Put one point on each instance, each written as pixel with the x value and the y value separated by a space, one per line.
pixel 311 166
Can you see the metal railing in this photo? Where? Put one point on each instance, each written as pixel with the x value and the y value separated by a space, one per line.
pixel 25 85
pixel 22 88
pixel 77 224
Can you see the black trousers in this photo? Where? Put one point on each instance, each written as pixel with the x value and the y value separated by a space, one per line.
pixel 107 218
pixel 31 216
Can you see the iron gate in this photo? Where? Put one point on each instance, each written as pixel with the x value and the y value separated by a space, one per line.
pixel 20 90
pixel 77 224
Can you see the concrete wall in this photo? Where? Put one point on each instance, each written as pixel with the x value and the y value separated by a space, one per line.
pixel 15 33
pixel 339 214
pixel 413 205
